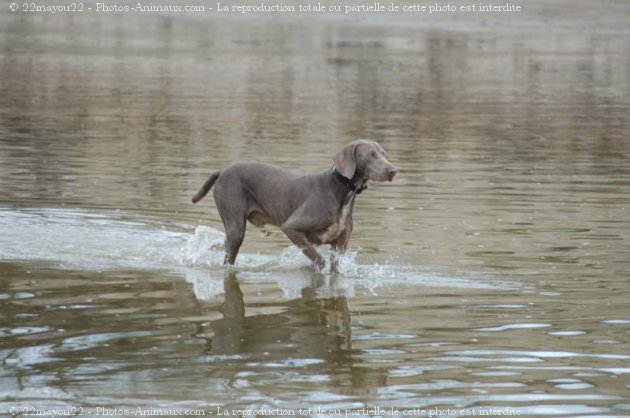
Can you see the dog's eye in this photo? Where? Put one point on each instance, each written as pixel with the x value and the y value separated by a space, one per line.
pixel 373 154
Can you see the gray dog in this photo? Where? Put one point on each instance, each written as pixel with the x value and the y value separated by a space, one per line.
pixel 311 209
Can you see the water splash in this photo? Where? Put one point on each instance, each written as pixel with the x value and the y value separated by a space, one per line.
pixel 84 240
pixel 205 246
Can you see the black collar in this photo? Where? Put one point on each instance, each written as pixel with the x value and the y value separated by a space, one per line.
pixel 347 182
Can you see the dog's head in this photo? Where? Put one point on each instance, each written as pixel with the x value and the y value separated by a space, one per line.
pixel 366 160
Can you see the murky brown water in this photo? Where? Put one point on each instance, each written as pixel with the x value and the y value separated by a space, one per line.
pixel 493 272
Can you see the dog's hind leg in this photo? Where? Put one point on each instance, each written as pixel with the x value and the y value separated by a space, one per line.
pixel 234 222
pixel 234 236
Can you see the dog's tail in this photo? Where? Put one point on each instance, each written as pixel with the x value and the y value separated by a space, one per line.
pixel 206 187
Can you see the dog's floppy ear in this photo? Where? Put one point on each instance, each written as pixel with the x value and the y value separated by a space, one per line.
pixel 345 161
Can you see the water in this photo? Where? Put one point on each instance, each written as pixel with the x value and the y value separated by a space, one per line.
pixel 492 273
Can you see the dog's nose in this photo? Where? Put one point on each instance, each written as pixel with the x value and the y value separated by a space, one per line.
pixel 391 172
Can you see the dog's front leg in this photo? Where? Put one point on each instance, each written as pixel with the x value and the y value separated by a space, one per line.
pixel 339 246
pixel 295 228
pixel 299 239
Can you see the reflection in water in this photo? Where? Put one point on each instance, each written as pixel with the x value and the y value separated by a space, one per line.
pixel 314 329
pixel 111 335
pixel 271 343
pixel 491 272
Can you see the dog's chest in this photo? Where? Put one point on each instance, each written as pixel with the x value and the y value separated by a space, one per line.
pixel 336 229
